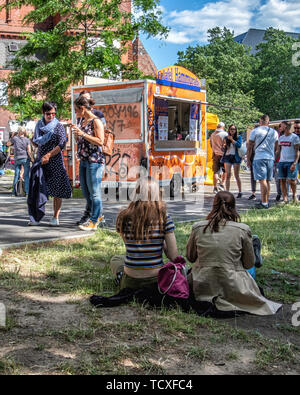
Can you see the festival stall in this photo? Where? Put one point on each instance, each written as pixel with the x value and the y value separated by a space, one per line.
pixel 158 125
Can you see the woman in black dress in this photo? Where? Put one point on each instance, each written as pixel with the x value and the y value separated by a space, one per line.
pixel 50 137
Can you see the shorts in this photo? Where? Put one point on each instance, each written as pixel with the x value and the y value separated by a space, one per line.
pixel 263 169
pixel 285 172
pixel 217 165
pixel 231 159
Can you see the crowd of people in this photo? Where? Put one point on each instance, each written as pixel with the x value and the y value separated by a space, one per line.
pixel 48 175
pixel 270 153
pixel 220 248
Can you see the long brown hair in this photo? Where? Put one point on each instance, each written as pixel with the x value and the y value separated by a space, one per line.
pixel 146 210
pixel 223 210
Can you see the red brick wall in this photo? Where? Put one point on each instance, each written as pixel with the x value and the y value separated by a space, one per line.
pixel 143 59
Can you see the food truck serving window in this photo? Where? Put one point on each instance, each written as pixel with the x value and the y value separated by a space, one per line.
pixel 178 124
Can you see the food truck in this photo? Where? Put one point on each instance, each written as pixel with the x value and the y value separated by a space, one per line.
pixel 159 127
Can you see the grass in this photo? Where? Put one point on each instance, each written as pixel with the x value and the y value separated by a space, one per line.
pixel 144 341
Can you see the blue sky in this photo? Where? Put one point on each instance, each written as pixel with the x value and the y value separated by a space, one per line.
pixel 189 21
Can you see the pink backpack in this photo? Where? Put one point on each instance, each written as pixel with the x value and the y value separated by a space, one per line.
pixel 172 279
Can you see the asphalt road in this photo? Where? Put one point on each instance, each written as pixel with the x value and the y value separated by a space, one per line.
pixel 14 216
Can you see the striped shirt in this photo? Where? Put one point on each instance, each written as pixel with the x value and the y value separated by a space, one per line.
pixel 148 254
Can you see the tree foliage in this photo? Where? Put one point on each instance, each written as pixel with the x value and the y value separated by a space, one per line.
pixel 88 37
pixel 277 77
pixel 228 69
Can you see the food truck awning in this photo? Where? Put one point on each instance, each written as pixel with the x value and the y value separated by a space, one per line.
pixel 117 96
pixel 212 120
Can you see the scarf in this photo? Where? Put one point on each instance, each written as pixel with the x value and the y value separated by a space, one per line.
pixel 43 132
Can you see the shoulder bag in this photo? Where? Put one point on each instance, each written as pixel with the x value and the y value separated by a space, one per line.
pixel 253 152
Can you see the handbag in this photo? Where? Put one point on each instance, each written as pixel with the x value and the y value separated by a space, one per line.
pixel 108 144
pixel 242 150
pixel 2 158
pixel 20 188
pixel 172 279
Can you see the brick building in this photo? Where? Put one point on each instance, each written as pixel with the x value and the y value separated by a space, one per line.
pixel 142 58
pixel 12 38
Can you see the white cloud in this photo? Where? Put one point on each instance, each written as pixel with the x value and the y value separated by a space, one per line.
pixel 237 15
pixel 284 15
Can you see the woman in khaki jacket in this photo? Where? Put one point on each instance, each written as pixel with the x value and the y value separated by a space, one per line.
pixel 222 250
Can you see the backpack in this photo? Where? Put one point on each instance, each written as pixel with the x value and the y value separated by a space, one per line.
pixel 172 279
pixel 242 150
pixel 257 251
pixel 2 158
pixel 108 144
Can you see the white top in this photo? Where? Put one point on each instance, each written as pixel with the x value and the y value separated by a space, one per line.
pixel 267 148
pixel 287 144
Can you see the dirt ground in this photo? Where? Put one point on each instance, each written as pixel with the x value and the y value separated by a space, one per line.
pixel 49 334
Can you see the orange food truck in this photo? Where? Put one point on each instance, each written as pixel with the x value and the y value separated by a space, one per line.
pixel 159 127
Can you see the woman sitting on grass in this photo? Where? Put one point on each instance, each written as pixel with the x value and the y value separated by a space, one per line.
pixel 147 232
pixel 222 248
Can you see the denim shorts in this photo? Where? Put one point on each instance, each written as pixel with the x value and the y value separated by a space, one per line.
pixel 263 169
pixel 231 159
pixel 285 172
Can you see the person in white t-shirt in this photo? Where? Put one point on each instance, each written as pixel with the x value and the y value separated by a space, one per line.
pixel 288 149
pixel 217 143
pixel 264 141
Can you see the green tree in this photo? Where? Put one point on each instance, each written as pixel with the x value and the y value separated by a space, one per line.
pixel 228 69
pixel 277 77
pixel 89 37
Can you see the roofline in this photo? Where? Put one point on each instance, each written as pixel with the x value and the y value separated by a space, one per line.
pixel 286 120
pixel 262 30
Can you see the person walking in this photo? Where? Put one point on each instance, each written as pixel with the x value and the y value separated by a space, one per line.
pixel 90 139
pixel 50 137
pixel 217 143
pixel 281 130
pixel 232 158
pixel 264 141
pixel 297 132
pixel 22 157
pixel 288 150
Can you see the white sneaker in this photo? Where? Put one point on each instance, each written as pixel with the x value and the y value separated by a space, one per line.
pixel 54 222
pixel 33 223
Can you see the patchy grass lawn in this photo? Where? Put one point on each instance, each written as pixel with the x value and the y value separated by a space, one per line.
pixel 52 329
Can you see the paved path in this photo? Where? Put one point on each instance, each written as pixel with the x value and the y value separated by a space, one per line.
pixel 14 217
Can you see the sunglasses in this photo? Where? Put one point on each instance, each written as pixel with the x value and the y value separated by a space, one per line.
pixel 50 113
pixel 232 129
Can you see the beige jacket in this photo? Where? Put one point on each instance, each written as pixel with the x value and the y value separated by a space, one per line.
pixel 219 272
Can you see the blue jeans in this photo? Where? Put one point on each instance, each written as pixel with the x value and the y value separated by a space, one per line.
pixel 90 175
pixel 18 163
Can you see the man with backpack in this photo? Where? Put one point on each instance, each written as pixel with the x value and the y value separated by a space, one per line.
pixel 263 141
